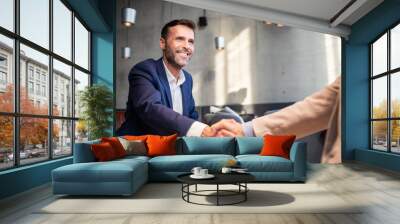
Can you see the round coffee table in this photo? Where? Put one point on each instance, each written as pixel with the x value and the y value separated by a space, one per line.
pixel 238 179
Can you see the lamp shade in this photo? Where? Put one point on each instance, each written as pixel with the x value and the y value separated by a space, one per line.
pixel 128 16
pixel 126 52
pixel 219 42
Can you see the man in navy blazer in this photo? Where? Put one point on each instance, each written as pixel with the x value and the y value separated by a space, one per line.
pixel 160 97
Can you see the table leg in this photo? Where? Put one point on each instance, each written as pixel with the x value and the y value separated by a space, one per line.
pixel 188 190
pixel 245 191
pixel 217 194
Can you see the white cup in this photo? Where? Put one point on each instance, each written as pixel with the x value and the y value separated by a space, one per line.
pixel 203 172
pixel 226 170
pixel 196 170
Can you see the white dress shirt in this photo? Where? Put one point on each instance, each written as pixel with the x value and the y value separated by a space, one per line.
pixel 176 94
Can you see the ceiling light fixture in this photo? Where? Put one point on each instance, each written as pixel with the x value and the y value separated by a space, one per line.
pixel 128 15
pixel 220 40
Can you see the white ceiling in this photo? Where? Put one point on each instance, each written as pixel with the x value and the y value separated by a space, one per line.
pixel 314 15
pixel 321 9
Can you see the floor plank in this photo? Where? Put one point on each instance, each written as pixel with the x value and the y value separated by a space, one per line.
pixel 376 189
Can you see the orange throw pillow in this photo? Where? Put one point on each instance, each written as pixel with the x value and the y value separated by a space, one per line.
pixel 277 145
pixel 135 138
pixel 161 145
pixel 116 145
pixel 103 151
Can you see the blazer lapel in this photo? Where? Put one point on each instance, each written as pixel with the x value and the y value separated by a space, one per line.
pixel 164 81
pixel 184 90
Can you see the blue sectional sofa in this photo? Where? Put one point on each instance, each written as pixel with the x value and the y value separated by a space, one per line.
pixel 125 176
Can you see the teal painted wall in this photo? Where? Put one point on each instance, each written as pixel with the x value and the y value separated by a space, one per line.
pixel 103 63
pixel 103 52
pixel 99 16
pixel 24 178
pixel 356 82
pixel 377 158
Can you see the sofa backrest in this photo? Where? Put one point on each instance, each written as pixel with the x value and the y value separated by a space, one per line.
pixel 189 146
pixel 249 145
pixel 210 145
pixel 83 152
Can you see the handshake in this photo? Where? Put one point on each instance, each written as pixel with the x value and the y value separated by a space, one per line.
pixel 223 128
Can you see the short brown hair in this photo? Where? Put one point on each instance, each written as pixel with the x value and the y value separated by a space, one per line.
pixel 184 22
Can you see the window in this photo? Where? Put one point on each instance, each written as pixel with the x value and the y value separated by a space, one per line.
pixel 62 143
pixel 43 77
pixel 54 125
pixel 35 22
pixel 6 143
pixel 81 45
pixel 6 69
pixel 3 78
pixel 62 29
pixel 385 94
pixel 62 75
pixel 7 14
pixel 3 61
pixel 3 72
pixel 38 89
pixel 37 74
pixel 44 91
pixel 30 87
pixel 30 72
pixel 81 81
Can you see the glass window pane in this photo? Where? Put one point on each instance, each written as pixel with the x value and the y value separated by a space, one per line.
pixel 33 140
pixel 6 142
pixel 34 97
pixel 81 131
pixel 395 94
pixel 379 55
pixel 62 29
pixel 379 97
pixel 379 135
pixel 35 21
pixel 7 14
pixel 81 45
pixel 62 138
pixel 395 47
pixel 62 89
pixel 6 74
pixel 81 81
pixel 395 136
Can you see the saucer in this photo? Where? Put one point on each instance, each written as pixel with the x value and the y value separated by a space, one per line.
pixel 208 176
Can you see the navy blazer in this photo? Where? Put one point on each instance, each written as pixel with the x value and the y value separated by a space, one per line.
pixel 149 106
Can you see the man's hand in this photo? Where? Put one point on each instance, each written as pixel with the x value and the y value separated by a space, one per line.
pixel 209 132
pixel 228 128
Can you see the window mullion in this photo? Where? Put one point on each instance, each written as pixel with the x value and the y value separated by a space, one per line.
pixel 370 97
pixel 73 82
pixel 389 104
pixel 16 83
pixel 50 81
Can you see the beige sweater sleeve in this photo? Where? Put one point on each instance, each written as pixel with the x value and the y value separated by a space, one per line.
pixel 303 118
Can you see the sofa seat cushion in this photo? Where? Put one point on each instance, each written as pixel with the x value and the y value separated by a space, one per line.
pixel 133 158
pixel 112 171
pixel 185 163
pixel 257 163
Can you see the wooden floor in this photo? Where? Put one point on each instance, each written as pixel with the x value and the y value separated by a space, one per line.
pixel 378 188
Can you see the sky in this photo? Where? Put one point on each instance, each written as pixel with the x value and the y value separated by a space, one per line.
pixel 380 66
pixel 34 26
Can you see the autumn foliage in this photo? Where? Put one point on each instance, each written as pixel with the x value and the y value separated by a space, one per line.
pixel 380 127
pixel 33 131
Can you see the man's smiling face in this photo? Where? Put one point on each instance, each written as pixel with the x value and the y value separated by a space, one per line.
pixel 178 48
